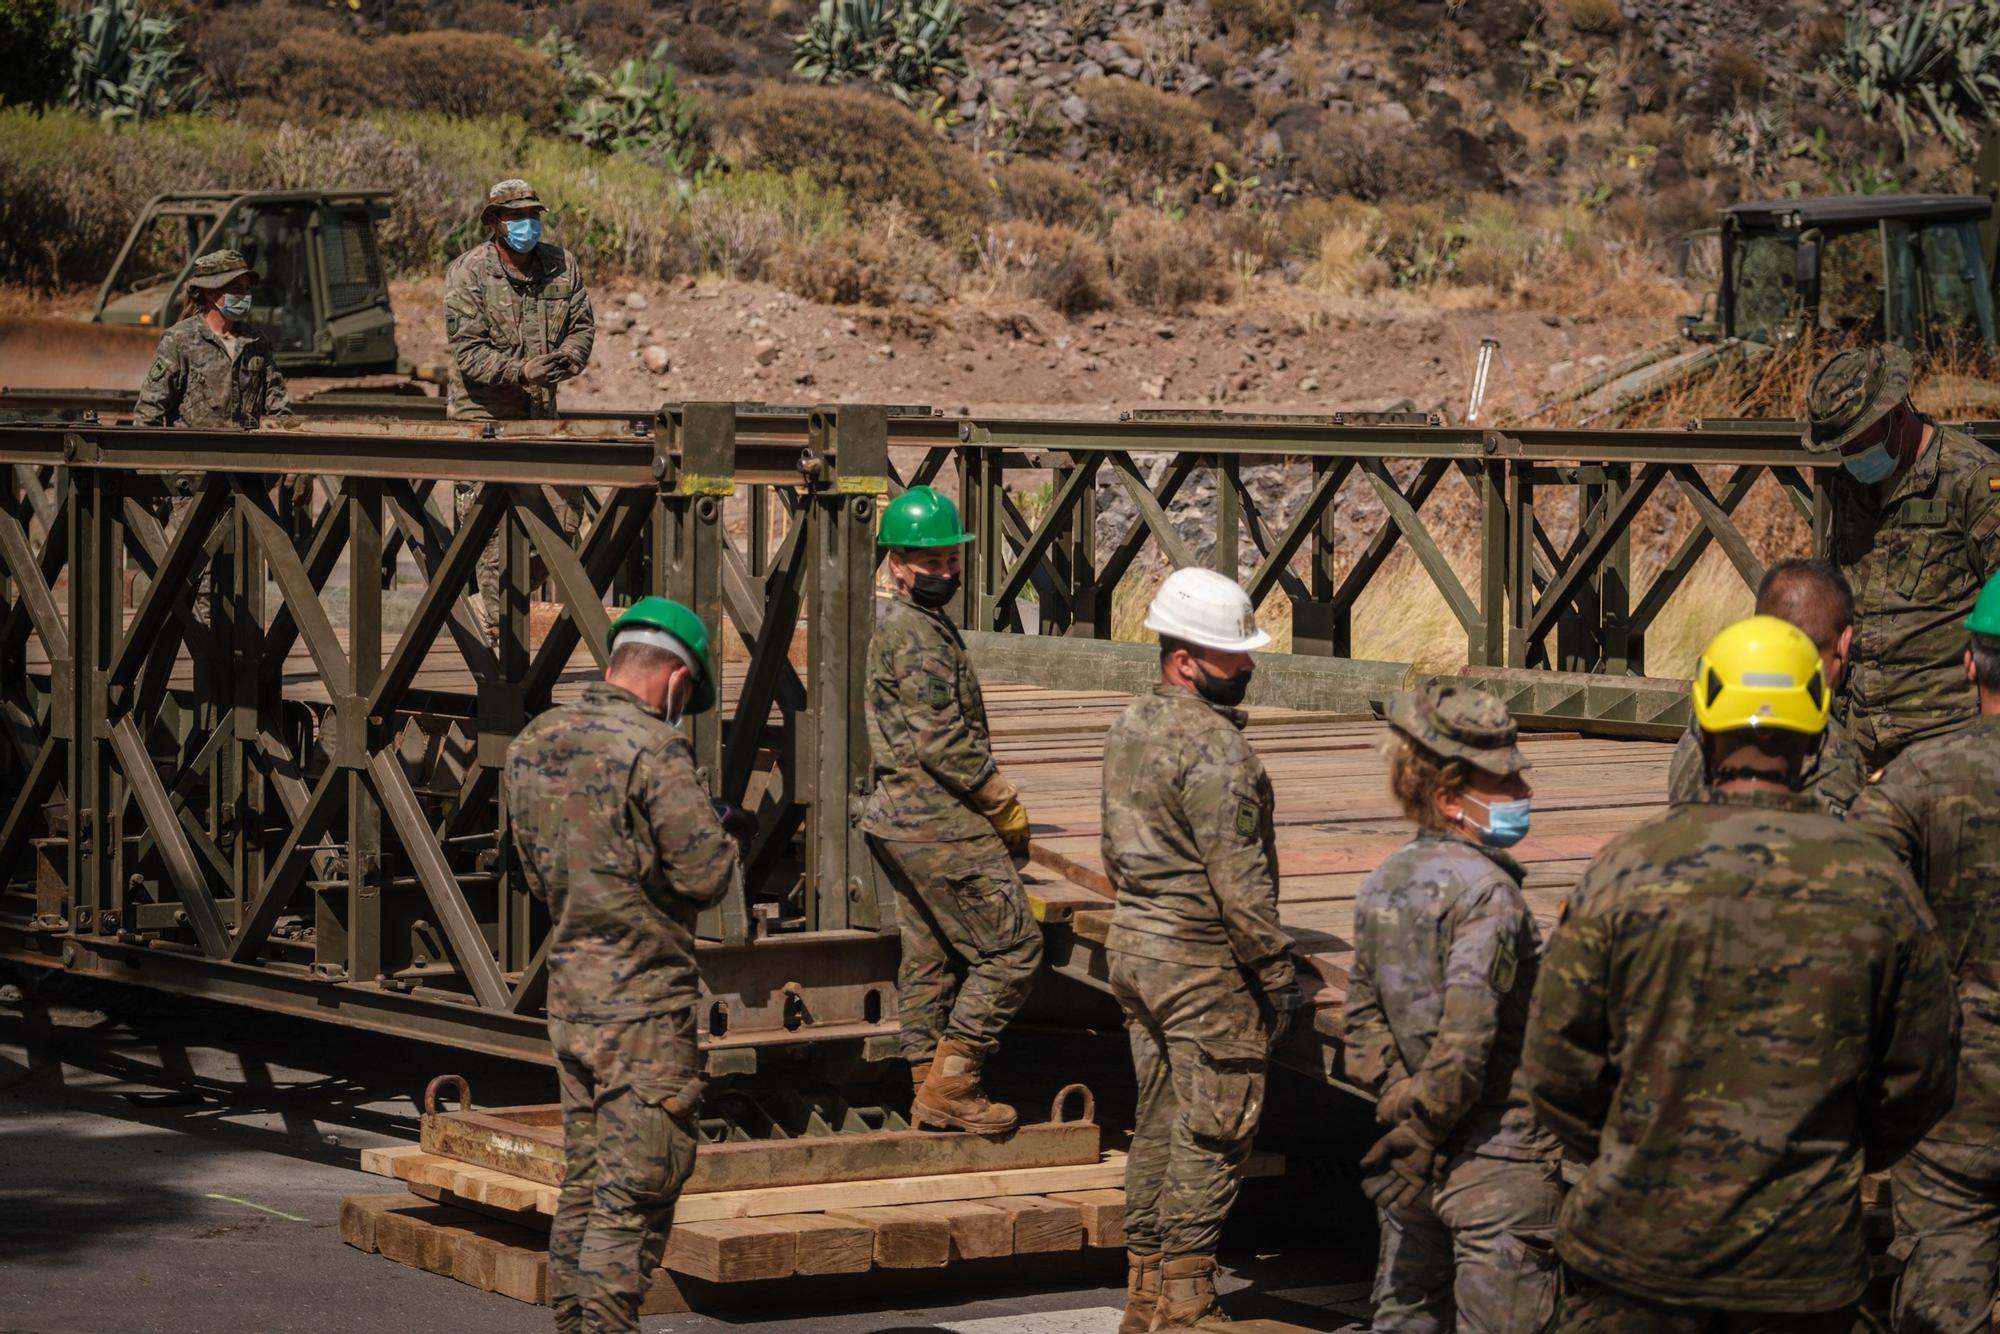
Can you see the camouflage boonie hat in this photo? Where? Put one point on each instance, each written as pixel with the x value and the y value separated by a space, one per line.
pixel 219 268
pixel 1851 392
pixel 510 194
pixel 1459 722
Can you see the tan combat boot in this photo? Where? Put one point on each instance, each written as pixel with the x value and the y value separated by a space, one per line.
pixel 1142 1292
pixel 952 1098
pixel 919 1072
pixel 1187 1293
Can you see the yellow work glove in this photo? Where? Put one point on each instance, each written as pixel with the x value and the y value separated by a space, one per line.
pixel 1011 823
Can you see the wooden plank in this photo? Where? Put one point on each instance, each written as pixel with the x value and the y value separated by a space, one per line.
pixel 1040 1224
pixel 497 1188
pixel 905 1238
pixel 1102 1213
pixel 420 1238
pixel 977 1231
pixel 823 1245
pixel 731 1250
pixel 360 1215
pixel 534 1220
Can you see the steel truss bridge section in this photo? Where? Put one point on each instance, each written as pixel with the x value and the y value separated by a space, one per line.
pixel 228 772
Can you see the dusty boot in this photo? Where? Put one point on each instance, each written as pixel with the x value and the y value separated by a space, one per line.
pixel 919 1072
pixel 1142 1292
pixel 952 1098
pixel 1187 1293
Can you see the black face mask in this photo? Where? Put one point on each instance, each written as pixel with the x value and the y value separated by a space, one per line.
pixel 1227 691
pixel 932 591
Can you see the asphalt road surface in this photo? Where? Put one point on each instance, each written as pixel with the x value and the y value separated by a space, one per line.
pixel 169 1165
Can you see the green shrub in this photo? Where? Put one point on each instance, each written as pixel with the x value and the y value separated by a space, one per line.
pixel 903 45
pixel 1418 244
pixel 130 65
pixel 1168 136
pixel 1054 264
pixel 738 223
pixel 35 41
pixel 872 150
pixel 1037 191
pixel 637 108
pixel 1166 265
pixel 333 75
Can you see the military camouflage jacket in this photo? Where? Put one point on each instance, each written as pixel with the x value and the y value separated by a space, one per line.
pixel 195 383
pixel 495 321
pixel 1938 805
pixel 1917 561
pixel 1832 778
pixel 1743 1009
pixel 615 833
pixel 926 728
pixel 1189 841
pixel 1445 953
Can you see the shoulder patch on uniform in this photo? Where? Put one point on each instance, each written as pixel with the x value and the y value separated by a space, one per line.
pixel 937 691
pixel 1875 777
pixel 1246 818
pixel 451 320
pixel 159 369
pixel 1993 481
pixel 1505 965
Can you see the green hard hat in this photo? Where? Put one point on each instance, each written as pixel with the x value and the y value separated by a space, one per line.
pixel 921 517
pixel 1985 618
pixel 671 618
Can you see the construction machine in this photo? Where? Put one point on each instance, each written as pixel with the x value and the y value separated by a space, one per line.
pixel 321 293
pixel 1913 269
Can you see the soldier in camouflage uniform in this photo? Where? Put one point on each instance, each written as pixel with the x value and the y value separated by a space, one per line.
pixel 1198 961
pixel 1445 953
pixel 946 826
pixel 519 323
pixel 1743 1010
pixel 213 372
pixel 1938 805
pixel 616 834
pixel 1814 596
pixel 1916 530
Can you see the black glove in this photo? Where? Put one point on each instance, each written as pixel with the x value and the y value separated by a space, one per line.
pixel 1396 1172
pixel 1289 1006
pixel 738 823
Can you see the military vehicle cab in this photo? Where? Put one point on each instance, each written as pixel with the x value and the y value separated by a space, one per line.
pixel 320 289
pixel 1909 269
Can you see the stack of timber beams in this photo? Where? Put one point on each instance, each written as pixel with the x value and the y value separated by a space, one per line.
pixel 766 1245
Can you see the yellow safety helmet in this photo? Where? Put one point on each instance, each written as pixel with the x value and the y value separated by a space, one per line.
pixel 1758 673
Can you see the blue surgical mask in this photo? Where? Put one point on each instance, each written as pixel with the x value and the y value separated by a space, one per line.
pixel 1506 823
pixel 1874 464
pixel 524 234
pixel 236 306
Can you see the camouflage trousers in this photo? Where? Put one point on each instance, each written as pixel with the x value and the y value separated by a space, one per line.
pixel 1200 1041
pixel 970 944
pixel 1481 1259
pixel 1590 1307
pixel 626 1159
pixel 567 502
pixel 1947 1204
pixel 171 517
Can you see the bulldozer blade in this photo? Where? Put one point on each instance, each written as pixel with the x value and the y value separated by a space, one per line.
pixel 52 353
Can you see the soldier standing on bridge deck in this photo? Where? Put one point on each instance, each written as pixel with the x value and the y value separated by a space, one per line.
pixel 519 323
pixel 616 834
pixel 213 371
pixel 1445 953
pixel 1916 530
pixel 946 826
pixel 1814 596
pixel 1743 1010
pixel 1199 963
pixel 1938 805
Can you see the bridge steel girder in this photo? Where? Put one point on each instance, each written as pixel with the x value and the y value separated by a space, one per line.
pixel 178 811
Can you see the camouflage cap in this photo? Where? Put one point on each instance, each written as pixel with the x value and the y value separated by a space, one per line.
pixel 1459 722
pixel 1850 393
pixel 512 193
pixel 219 268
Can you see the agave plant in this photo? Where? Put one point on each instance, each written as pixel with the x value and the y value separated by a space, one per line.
pixel 902 44
pixel 127 65
pixel 1932 68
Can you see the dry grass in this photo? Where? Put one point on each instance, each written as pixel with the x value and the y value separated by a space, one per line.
pixel 1053 264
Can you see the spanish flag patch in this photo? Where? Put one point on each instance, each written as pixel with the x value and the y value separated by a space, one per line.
pixel 1993 481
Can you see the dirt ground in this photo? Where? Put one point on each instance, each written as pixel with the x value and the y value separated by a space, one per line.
pixel 751 342
pixel 1276 349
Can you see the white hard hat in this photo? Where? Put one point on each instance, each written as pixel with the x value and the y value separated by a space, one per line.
pixel 1202 607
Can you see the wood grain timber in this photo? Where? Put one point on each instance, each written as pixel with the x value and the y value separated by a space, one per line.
pixel 905 1237
pixel 1102 1213
pixel 823 1245
pixel 732 1250
pixel 977 1232
pixel 1040 1224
